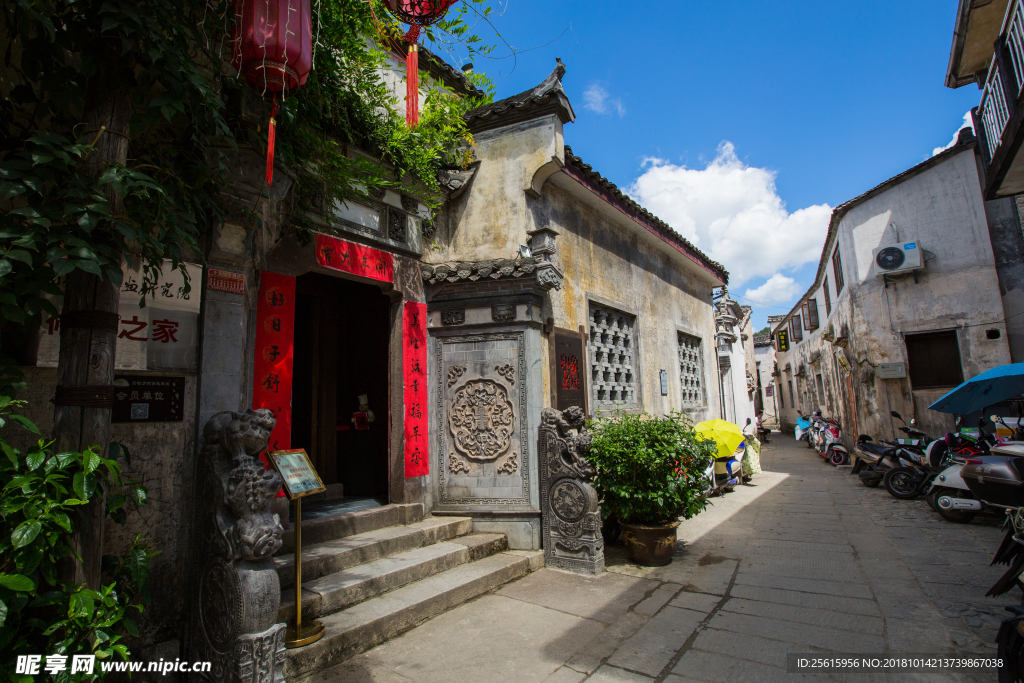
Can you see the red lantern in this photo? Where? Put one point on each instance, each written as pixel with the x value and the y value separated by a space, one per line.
pixel 417 13
pixel 273 51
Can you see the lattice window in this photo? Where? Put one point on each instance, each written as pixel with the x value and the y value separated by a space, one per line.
pixel 691 371
pixel 612 350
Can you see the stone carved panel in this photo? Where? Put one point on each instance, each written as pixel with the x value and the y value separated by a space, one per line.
pixel 571 516
pixel 233 619
pixel 481 420
pixel 453 316
pixel 503 313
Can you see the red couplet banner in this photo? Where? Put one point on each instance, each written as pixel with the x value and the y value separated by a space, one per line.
pixel 414 371
pixel 357 259
pixel 275 333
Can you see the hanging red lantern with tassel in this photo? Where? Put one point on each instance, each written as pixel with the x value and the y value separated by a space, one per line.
pixel 273 50
pixel 416 13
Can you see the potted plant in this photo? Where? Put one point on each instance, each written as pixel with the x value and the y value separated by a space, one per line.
pixel 650 472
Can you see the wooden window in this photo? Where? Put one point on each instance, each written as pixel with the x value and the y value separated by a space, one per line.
pixel 792 399
pixel 806 316
pixel 837 270
pixel 796 328
pixel 828 299
pixel 934 360
pixel 812 314
pixel 782 400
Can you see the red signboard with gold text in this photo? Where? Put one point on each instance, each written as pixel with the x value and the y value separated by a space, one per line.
pixel 357 259
pixel 414 371
pixel 275 328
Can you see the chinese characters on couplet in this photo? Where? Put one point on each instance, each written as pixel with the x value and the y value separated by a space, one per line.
pixel 275 323
pixel 414 355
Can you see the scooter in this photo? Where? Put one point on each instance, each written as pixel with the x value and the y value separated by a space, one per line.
pixel 829 442
pixel 803 426
pixel 728 471
pixel 948 494
pixel 875 459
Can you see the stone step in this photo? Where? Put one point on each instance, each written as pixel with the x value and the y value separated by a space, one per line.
pixel 321 559
pixel 370 623
pixel 351 523
pixel 342 589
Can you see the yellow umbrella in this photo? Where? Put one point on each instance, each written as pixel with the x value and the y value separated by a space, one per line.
pixel 726 435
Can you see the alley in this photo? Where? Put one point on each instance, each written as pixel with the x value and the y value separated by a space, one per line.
pixel 807 559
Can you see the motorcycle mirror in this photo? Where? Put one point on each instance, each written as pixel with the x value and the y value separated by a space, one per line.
pixel 895 414
pixel 748 420
pixel 958 421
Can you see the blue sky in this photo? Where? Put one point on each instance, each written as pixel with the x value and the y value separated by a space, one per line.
pixel 825 99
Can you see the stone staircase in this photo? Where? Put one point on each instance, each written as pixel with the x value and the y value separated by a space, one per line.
pixel 370 575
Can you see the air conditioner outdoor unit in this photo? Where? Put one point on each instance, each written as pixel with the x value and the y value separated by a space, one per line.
pixel 891 259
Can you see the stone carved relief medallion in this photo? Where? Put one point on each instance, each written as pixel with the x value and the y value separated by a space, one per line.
pixel 481 419
pixel 569 500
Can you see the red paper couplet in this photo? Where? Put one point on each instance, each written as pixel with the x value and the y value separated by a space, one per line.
pixel 414 371
pixel 275 330
pixel 357 259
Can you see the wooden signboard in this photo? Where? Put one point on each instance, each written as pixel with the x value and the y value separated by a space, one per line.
pixel 300 479
pixel 148 398
pixel 570 367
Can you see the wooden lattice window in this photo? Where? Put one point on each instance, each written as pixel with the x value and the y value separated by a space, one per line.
pixel 691 371
pixel 812 314
pixel 612 351
pixel 828 299
pixel 796 328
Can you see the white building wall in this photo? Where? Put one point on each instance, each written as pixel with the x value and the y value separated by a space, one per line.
pixel 941 207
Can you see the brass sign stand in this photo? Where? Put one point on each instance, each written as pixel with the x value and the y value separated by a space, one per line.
pixel 300 479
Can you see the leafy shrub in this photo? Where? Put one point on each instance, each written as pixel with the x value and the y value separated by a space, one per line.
pixel 650 470
pixel 41 611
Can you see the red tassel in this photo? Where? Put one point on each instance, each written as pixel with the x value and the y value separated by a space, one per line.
pixel 271 134
pixel 412 78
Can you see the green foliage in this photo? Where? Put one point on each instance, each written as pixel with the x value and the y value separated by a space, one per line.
pixel 40 611
pixel 62 210
pixel 650 470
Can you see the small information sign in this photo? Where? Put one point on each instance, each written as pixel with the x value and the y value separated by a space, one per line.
pixel 218 280
pixel 148 398
pixel 300 479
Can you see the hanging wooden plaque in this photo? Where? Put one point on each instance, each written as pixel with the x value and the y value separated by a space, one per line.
pixel 570 365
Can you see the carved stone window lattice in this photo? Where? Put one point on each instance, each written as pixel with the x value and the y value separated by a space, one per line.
pixel 691 371
pixel 612 350
pixel 397 227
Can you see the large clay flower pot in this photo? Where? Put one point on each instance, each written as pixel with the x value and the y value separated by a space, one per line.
pixel 650 546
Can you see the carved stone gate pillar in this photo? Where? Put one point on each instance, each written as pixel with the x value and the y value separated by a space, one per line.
pixel 572 516
pixel 238 593
pixel 486 391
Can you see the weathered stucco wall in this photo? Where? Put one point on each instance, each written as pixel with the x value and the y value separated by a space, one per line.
pixel 764 357
pixel 607 262
pixel 604 256
pixel 958 290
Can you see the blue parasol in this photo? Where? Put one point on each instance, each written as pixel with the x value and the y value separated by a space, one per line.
pixel 990 387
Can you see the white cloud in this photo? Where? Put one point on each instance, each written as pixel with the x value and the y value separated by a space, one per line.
pixel 597 99
pixel 733 213
pixel 778 289
pixel 968 123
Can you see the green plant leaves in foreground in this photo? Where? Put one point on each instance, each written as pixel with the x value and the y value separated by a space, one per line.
pixel 650 469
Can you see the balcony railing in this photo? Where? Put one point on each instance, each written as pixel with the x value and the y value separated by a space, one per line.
pixel 994 112
pixel 1000 92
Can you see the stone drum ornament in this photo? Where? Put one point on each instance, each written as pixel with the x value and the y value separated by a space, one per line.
pixel 569 504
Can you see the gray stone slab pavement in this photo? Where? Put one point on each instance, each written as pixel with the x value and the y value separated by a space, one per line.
pixel 806 560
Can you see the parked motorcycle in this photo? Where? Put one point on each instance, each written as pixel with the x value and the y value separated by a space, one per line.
pixel 948 494
pixel 828 440
pixel 803 426
pixel 875 459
